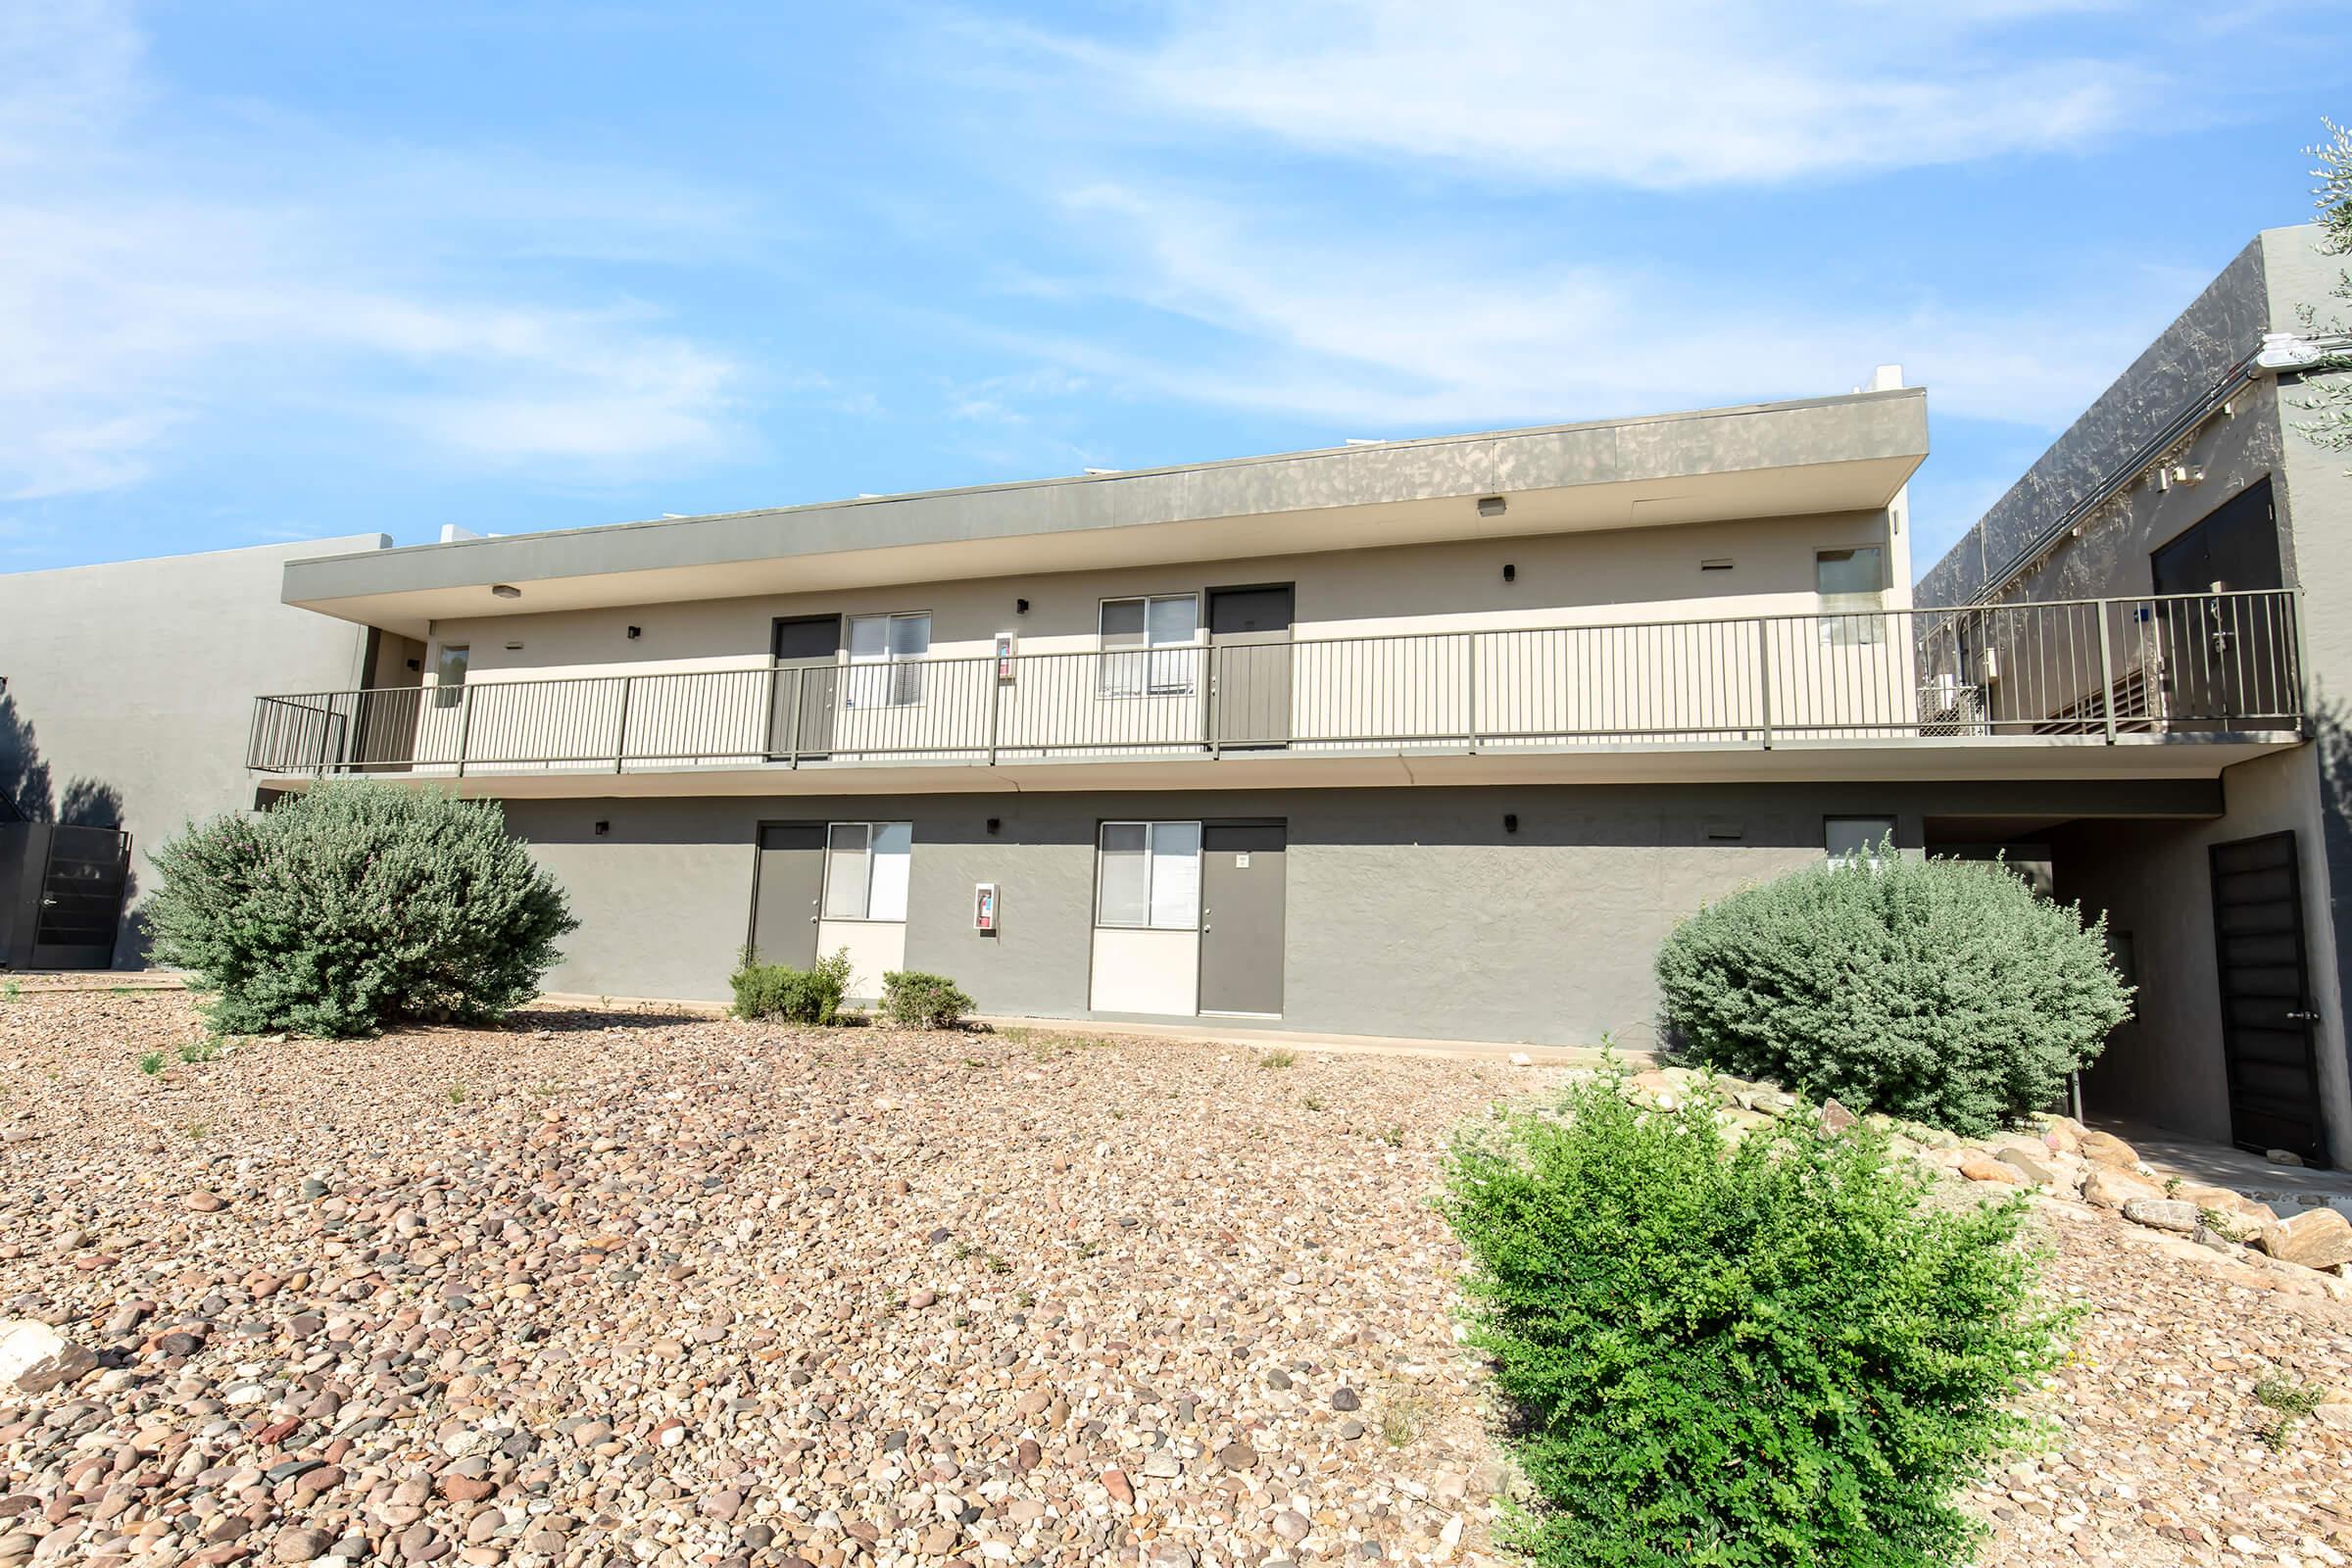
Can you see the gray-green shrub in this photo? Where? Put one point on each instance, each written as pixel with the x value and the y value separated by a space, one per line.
pixel 1936 990
pixel 354 905
pixel 913 1000
pixel 1764 1355
pixel 777 990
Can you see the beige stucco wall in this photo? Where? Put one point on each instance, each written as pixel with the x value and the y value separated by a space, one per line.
pixel 1654 645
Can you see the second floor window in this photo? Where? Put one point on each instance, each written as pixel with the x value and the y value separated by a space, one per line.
pixel 449 674
pixel 1148 643
pixel 1850 582
pixel 884 660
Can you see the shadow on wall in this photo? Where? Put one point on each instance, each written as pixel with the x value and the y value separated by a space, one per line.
pixel 28 795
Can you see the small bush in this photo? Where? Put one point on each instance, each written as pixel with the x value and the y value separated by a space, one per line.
pixel 1762 1354
pixel 352 905
pixel 1936 991
pixel 792 996
pixel 913 1000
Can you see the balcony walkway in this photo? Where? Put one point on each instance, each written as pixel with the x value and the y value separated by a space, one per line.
pixel 2179 686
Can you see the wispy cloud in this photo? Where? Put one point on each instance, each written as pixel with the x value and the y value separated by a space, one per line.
pixel 1662 94
pixel 152 293
pixel 1416 333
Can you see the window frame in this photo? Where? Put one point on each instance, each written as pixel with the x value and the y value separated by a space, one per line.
pixel 906 672
pixel 1110 658
pixel 449 693
pixel 1851 617
pixel 866 900
pixel 1151 827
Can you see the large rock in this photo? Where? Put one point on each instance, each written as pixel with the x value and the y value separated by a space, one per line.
pixel 35 1358
pixel 2034 1161
pixel 2105 1149
pixel 2317 1238
pixel 2110 1188
pixel 1977 1168
pixel 2161 1213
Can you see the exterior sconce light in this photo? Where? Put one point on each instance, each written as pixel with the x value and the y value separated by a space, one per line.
pixel 603 827
pixel 636 632
pixel 1020 607
pixel 995 826
pixel 504 590
pixel 1510 822
pixel 1510 573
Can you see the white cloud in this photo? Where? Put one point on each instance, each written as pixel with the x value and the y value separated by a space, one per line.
pixel 266 273
pixel 1660 93
pixel 1419 334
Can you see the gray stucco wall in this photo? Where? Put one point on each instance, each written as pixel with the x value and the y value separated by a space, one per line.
pixel 139 679
pixel 1411 912
pixel 2220 326
pixel 2154 883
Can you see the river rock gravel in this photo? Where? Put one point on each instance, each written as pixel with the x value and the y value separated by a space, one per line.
pixel 612 1287
pixel 640 1288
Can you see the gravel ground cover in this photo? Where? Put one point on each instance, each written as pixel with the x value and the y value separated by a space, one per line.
pixel 612 1287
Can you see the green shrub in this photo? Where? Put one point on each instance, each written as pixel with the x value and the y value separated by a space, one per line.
pixel 1937 990
pixel 793 995
pixel 356 904
pixel 913 1000
pixel 1767 1354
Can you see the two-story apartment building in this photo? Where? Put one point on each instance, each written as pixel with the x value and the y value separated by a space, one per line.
pixel 1429 738
pixel 2192 479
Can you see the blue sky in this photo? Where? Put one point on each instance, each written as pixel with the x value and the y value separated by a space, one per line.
pixel 285 270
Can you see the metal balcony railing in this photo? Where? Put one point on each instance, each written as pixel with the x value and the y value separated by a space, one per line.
pixel 2206 663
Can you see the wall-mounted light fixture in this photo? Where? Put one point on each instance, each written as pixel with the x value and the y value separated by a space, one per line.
pixel 1491 506
pixel 504 590
pixel 1020 607
pixel 636 632
pixel 1510 573
pixel 603 827
pixel 1510 822
pixel 996 826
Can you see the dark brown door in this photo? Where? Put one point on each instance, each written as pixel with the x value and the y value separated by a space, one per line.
pixel 806 677
pixel 788 886
pixel 1249 665
pixel 2267 1017
pixel 2219 652
pixel 1242 902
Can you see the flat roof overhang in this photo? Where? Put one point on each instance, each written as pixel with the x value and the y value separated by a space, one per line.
pixel 2189 766
pixel 1814 456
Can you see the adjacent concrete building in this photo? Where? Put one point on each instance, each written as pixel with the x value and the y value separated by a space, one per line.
pixel 2190 479
pixel 124 695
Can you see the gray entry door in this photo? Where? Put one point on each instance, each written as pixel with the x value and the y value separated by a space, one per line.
pixel 807 678
pixel 1241 917
pixel 2267 1046
pixel 1249 665
pixel 786 888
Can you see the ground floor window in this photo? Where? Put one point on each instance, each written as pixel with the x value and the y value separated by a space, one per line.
pixel 866 870
pixel 1849 838
pixel 1150 875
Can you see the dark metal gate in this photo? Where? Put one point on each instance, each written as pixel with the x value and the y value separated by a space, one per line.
pixel 63 888
pixel 2267 1017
